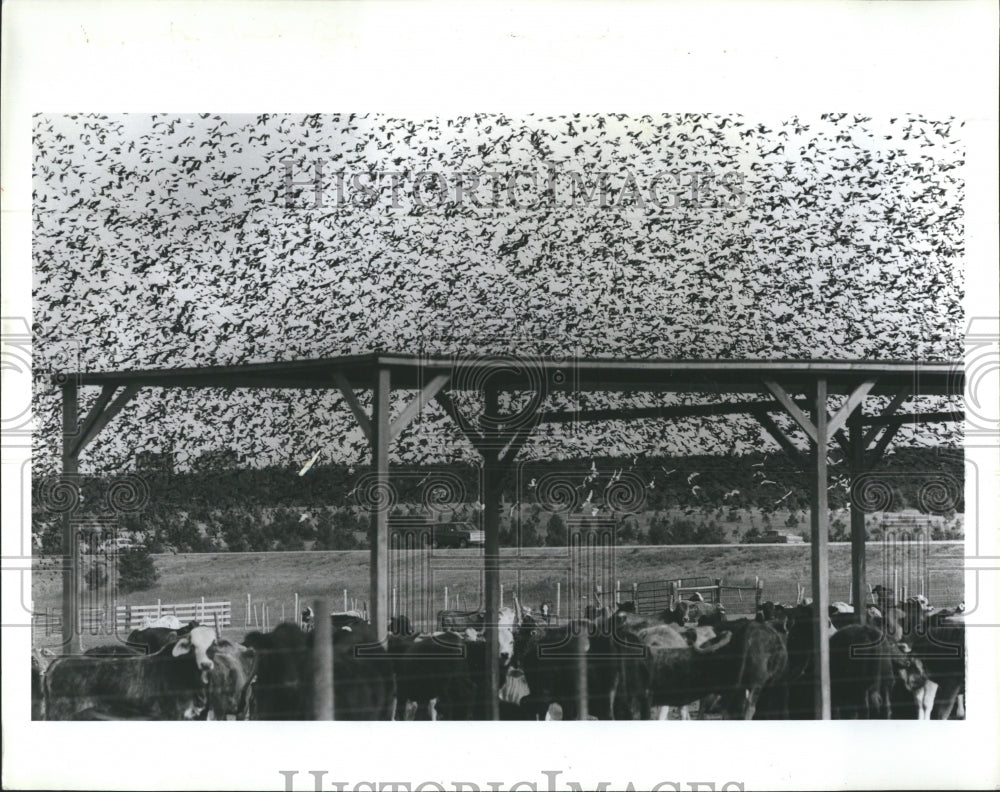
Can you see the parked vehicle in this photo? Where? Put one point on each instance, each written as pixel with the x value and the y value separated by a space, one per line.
pixel 457 535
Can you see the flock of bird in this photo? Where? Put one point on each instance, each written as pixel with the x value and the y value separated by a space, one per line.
pixel 177 240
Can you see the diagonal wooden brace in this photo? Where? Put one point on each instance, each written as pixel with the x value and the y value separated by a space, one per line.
pixel 803 420
pixel 901 396
pixel 781 438
pixel 347 391
pixel 854 400
pixel 471 434
pixel 101 414
pixel 412 410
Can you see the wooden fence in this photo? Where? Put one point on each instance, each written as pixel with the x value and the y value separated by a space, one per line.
pixel 129 617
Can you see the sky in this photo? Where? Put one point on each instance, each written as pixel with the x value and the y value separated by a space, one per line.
pixel 164 240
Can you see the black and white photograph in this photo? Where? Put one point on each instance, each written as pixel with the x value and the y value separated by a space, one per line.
pixel 514 425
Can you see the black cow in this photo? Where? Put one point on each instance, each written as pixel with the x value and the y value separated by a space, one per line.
pixel 754 661
pixel 941 649
pixel 864 667
pixel 114 650
pixel 442 674
pixel 168 685
pixel 616 673
pixel 153 639
pixel 460 621
pixel 400 625
pixel 363 680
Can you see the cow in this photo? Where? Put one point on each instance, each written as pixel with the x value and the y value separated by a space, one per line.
pixel 459 621
pixel 230 681
pixel 114 650
pixel 153 639
pixel 283 683
pixel 941 649
pixel 168 685
pixel 864 667
pixel 364 687
pixel 677 666
pixel 615 670
pixel 443 673
pixel 754 661
pixel 400 625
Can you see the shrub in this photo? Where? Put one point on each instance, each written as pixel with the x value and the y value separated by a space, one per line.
pixel 136 571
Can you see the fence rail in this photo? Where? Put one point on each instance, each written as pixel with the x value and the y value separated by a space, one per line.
pixel 129 617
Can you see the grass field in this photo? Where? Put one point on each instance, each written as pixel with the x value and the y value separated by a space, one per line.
pixel 274 578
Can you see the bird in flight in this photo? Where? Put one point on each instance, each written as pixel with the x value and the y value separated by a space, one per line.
pixel 309 464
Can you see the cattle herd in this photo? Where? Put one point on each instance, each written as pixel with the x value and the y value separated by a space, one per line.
pixel 895 660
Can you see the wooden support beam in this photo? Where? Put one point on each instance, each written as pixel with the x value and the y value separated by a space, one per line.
pixel 875 455
pixel 379 532
pixel 854 400
pixel 667 412
pixel 916 418
pixel 96 421
pixel 412 410
pixel 859 583
pixel 781 438
pixel 844 443
pixel 515 444
pixel 901 396
pixel 107 392
pixel 71 577
pixel 793 409
pixel 819 519
pixel 347 391
pixel 492 477
pixel 471 433
pixel 322 681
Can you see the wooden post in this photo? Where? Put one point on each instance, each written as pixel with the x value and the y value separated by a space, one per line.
pixel 345 600
pixel 855 429
pixel 71 577
pixel 492 479
pixel 501 595
pixel 298 613
pixel 282 611
pixel 379 530
pixel 248 609
pixel 322 663
pixel 202 617
pixel 256 620
pixel 392 612
pixel 446 598
pixel 820 553
pixel 618 593
pixel 580 664
pixel 558 598
pixel 159 609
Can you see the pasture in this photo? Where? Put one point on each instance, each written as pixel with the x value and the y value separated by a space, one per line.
pixel 274 578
